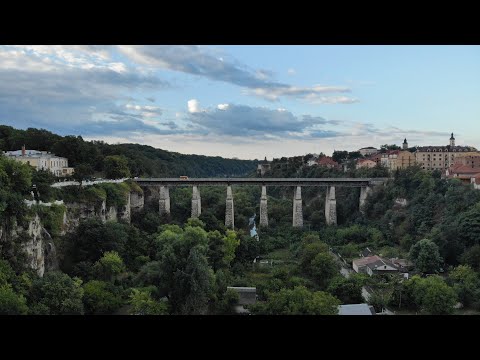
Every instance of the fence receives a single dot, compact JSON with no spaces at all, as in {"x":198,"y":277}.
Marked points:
{"x":87,"y":183}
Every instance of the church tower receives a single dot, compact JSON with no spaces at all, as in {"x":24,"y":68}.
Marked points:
{"x":452,"y":140}
{"x":405,"y":144}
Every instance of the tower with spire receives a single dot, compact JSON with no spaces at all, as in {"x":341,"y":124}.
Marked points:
{"x":452,"y":140}
{"x":405,"y":144}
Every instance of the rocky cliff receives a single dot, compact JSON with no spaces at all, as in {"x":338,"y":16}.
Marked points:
{"x":37,"y":242}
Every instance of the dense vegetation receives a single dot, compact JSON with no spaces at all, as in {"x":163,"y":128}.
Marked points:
{"x":121,"y":160}
{"x":177,"y":265}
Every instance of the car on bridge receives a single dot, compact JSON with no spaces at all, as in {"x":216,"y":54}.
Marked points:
{"x":183,"y":177}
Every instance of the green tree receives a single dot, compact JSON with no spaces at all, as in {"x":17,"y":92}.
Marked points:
{"x":110,"y":265}
{"x":43,"y":179}
{"x":82,"y":172}
{"x":216,"y":253}
{"x":56,"y":294}
{"x":308,"y":253}
{"x":116,"y":167}
{"x":297,"y":301}
{"x":231,"y":242}
{"x":466,"y":283}
{"x":12,"y":303}
{"x":92,"y":239}
{"x":348,"y":290}
{"x":323,"y":268}
{"x":471,"y":257}
{"x":100,"y":298}
{"x":227,"y":303}
{"x":435,"y":296}
{"x":425,"y":255}
{"x":194,"y":285}
{"x":143,"y":304}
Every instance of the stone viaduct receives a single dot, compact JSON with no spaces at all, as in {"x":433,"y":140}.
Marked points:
{"x":163,"y":184}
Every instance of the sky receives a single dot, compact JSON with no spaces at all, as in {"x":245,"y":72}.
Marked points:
{"x":245,"y":101}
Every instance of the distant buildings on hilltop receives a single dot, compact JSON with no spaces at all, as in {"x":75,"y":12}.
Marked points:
{"x":452,"y":160}
{"x":42,"y":160}
{"x":263,"y":166}
{"x":441,"y":157}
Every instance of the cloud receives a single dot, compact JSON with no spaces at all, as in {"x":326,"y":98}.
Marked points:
{"x":200,"y":61}
{"x":193,"y":106}
{"x":291,"y":72}
{"x":48,"y":88}
{"x":311,"y":94}
{"x":145,"y":110}
{"x":259,"y":122}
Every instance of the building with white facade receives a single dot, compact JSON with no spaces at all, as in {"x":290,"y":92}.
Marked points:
{"x":370,"y":150}
{"x":42,"y":160}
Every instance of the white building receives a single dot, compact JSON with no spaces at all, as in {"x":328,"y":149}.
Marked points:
{"x":368,"y":151}
{"x":42,"y":160}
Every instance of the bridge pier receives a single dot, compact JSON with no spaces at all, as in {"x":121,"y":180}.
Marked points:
{"x":196,"y":203}
{"x":263,"y":208}
{"x":164,"y":202}
{"x":297,"y":208}
{"x":229,"y":214}
{"x":364,"y":191}
{"x":330,"y":206}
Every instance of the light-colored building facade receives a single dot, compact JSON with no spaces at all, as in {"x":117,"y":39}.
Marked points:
{"x":365,"y":163}
{"x":440,"y":157}
{"x":42,"y":160}
{"x":405,"y":159}
{"x":389,"y":159}
{"x":368,"y":151}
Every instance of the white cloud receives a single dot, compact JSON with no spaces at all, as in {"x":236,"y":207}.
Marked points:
{"x":193,"y":106}
{"x":222,"y":106}
{"x":316,"y":99}
{"x":308,"y":93}
{"x":146,"y":111}
{"x":291,"y":72}
{"x":199,"y":61}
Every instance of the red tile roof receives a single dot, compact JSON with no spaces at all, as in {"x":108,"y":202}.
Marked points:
{"x":464,"y":169}
{"x":327,"y":160}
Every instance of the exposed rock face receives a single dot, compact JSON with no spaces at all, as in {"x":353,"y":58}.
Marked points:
{"x":76,"y":212}
{"x":40,"y":248}
{"x":111,"y":214}
{"x":41,"y":251}
{"x":137,"y":201}
{"x":124,"y":213}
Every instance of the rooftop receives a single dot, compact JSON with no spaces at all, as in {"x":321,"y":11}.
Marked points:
{"x":355,"y":309}
{"x":464,"y":169}
{"x":367,"y":260}
{"x":445,"y":148}
{"x":30,"y":154}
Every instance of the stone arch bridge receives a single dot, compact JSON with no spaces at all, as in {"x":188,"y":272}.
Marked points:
{"x":163,"y":184}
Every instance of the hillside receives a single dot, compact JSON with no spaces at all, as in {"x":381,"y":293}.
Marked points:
{"x":143,"y":160}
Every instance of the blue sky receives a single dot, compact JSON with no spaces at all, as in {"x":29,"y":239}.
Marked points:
{"x":246,"y":101}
